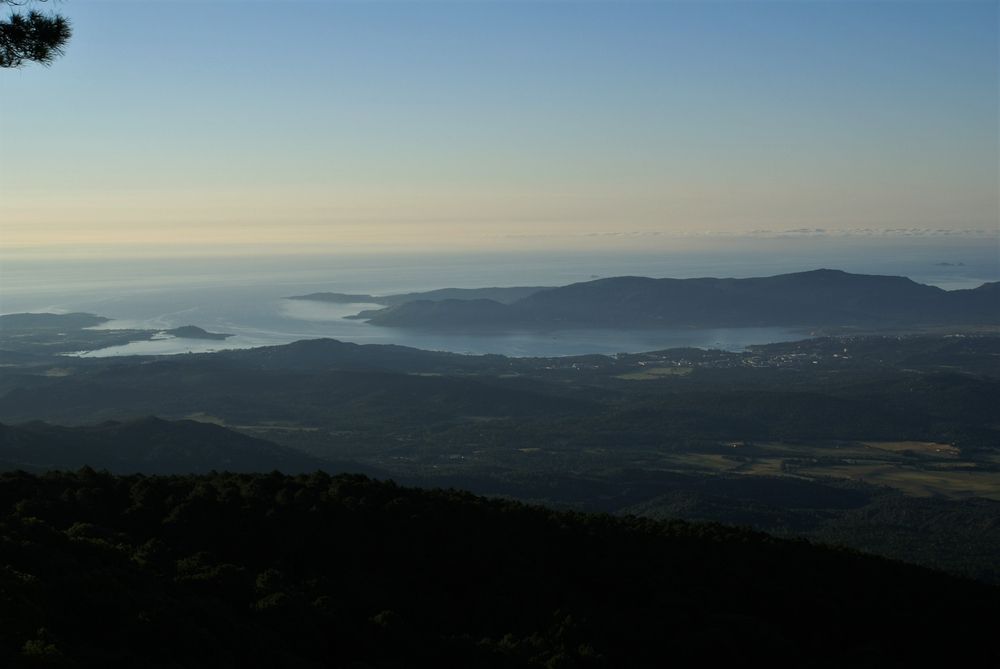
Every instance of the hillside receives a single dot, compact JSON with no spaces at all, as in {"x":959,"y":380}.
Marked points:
{"x":148,"y":445}
{"x":269,"y":570}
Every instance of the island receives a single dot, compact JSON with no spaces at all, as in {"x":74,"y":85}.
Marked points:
{"x":504,"y":295}
{"x":195,"y":332}
{"x":38,"y":335}
{"x":822,"y":298}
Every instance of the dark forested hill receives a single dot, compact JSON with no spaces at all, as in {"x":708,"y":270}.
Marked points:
{"x":148,"y":445}
{"x":331,"y":354}
{"x":30,"y":322}
{"x":268,"y":570}
{"x":817,"y":298}
{"x":244,"y":395}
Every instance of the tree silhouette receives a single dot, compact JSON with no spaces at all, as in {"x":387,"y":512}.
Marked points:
{"x":31,"y":36}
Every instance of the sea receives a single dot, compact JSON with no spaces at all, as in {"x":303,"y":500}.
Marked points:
{"x":246,"y":295}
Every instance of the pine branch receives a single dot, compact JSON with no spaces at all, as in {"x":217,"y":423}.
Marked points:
{"x":32,"y":37}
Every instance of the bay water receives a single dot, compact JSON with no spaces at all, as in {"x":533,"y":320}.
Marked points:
{"x":246,"y":296}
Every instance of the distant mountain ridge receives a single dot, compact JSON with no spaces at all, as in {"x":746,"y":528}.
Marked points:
{"x":823,"y":297}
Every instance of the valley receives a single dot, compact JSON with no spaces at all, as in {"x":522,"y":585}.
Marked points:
{"x":846,"y":426}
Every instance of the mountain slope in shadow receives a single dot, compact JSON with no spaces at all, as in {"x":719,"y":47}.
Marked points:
{"x":148,"y":445}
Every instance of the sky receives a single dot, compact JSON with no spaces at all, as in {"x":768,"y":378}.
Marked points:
{"x":297,"y":126}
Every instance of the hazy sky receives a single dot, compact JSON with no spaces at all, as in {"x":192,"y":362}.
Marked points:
{"x":499,"y":124}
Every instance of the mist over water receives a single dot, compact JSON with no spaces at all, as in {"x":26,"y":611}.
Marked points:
{"x":244,"y":296}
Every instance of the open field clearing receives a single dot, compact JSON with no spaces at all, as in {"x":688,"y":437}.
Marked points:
{"x":812,"y":450}
{"x":261,"y":428}
{"x":941,"y":474}
{"x":920,"y":483}
{"x":923,"y":447}
{"x":202,"y":417}
{"x":650,"y":373}
{"x":709,"y":462}
{"x":765,"y":467}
